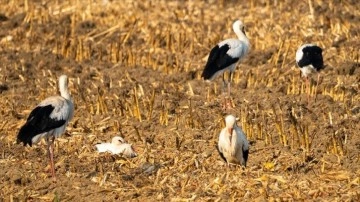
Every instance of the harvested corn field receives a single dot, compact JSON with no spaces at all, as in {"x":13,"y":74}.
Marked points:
{"x":134,"y":70}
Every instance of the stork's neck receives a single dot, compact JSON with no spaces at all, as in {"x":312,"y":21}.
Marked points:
{"x":241,"y":36}
{"x":64,"y":92}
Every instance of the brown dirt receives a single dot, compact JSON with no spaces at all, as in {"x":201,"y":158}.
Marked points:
{"x":153,"y":52}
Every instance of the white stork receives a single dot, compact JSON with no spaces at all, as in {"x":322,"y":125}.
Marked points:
{"x":309,"y":59}
{"x":49,"y":120}
{"x":117,"y":146}
{"x":233,"y":146}
{"x":225,"y":55}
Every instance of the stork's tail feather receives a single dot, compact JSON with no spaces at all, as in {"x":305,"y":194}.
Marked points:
{"x":206,"y":74}
{"x":26,"y":133}
{"x":209,"y":70}
{"x":246,"y":156}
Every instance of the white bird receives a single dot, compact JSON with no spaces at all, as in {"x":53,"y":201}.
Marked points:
{"x":233,"y":146}
{"x":309,"y":59}
{"x":117,"y":146}
{"x":49,"y":120}
{"x":225,"y":55}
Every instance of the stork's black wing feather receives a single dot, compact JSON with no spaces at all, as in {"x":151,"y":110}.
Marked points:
{"x":217,"y":61}
{"x":245,"y":156}
{"x":38,"y":122}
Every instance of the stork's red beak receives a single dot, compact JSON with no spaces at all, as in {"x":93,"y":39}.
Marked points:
{"x":230,"y":130}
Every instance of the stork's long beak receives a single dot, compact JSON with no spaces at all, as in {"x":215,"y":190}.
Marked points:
{"x":230,"y":130}
{"x":243,"y":31}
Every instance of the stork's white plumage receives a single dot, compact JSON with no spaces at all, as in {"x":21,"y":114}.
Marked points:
{"x":49,"y":120}
{"x":226,"y":54}
{"x":309,"y":59}
{"x":117,"y":146}
{"x":233,"y":146}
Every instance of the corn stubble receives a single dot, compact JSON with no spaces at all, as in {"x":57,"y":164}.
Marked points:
{"x":134,"y":71}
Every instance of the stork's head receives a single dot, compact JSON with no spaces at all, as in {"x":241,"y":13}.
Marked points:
{"x":239,"y":25}
{"x":230,"y":122}
{"x":117,"y":140}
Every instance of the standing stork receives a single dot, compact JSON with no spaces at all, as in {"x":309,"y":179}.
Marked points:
{"x":226,"y":54}
{"x":309,"y":59}
{"x":233,"y":146}
{"x":49,"y":120}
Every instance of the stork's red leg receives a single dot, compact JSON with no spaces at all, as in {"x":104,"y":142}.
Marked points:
{"x":308,"y":89}
{"x":228,"y":86}
{"x":228,"y":104}
{"x":51,"y":155}
{"x":317,"y":84}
